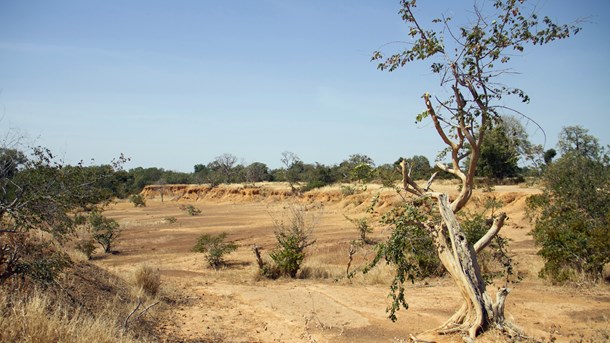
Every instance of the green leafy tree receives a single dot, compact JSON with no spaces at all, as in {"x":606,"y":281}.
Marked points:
{"x":356,"y":167}
{"x":572,"y":216}
{"x":257,"y":172}
{"x":499,"y":156}
{"x":215,"y":248}
{"x":469,"y":60}
{"x":549,"y":155}
{"x":577,"y":139}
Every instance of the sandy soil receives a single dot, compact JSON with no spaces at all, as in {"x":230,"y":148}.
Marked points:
{"x":234,"y":305}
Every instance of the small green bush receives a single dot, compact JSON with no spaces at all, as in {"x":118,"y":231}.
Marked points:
{"x":214,"y":247}
{"x":292,"y":240}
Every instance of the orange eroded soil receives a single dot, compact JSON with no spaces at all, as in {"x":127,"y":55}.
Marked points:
{"x":234,"y":305}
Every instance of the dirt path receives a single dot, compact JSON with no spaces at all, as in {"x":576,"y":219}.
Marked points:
{"x":234,"y":305}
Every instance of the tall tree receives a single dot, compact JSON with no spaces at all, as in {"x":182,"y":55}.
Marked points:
{"x":577,"y":139}
{"x":469,"y":63}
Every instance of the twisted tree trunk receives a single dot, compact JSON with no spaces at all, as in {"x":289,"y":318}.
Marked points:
{"x":479,"y":311}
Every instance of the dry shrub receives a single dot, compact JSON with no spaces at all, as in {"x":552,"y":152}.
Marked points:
{"x":318,"y":271}
{"x":35,"y":319}
{"x":147,"y":279}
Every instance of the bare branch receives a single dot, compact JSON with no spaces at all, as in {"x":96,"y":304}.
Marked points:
{"x":491,"y":233}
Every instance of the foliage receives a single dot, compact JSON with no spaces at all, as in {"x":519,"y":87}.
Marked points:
{"x":190,"y":209}
{"x":138,"y":200}
{"x":577,"y":139}
{"x":104,"y":230}
{"x":317,"y":176}
{"x":214,"y":247}
{"x":499,"y":155}
{"x":409,"y":247}
{"x":86,"y":246}
{"x":549,"y":155}
{"x":388,"y":175}
{"x":356,"y":167}
{"x":257,"y":172}
{"x":293,"y":237}
{"x":40,"y":194}
{"x":572,"y":216}
{"x":25,"y":254}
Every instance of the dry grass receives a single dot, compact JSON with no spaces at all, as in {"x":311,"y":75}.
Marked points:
{"x":35,"y":319}
{"x":147,"y":280}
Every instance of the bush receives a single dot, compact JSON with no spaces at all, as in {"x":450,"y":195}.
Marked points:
{"x":105,"y":231}
{"x":572,"y":218}
{"x":214,"y":247}
{"x":170,"y":220}
{"x":137,"y":200}
{"x":86,"y":246}
{"x":147,"y":279}
{"x":190,"y":209}
{"x":292,"y":240}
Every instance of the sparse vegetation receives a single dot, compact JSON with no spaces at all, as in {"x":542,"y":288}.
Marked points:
{"x":363,"y":227}
{"x":191,"y":210}
{"x":170,"y":219}
{"x":215,"y":248}
{"x":137,"y":200}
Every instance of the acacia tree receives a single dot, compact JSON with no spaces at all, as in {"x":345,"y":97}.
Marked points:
{"x":470,"y":61}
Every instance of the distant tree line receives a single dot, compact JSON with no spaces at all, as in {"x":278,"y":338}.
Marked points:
{"x":505,"y":148}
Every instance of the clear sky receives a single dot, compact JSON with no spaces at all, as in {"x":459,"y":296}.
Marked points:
{"x":175,"y":83}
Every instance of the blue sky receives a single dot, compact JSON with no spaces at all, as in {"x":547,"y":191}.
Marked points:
{"x":175,"y":83}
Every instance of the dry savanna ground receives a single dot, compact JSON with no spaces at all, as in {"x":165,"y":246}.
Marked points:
{"x":234,"y":305}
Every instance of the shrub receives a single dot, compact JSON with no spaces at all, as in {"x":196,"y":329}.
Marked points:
{"x":147,"y":279}
{"x":86,"y":246}
{"x":214,"y":247}
{"x":137,"y":200}
{"x":105,"y":231}
{"x":191,"y":210}
{"x":292,"y":240}
{"x":170,"y":220}
{"x":572,"y":217}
